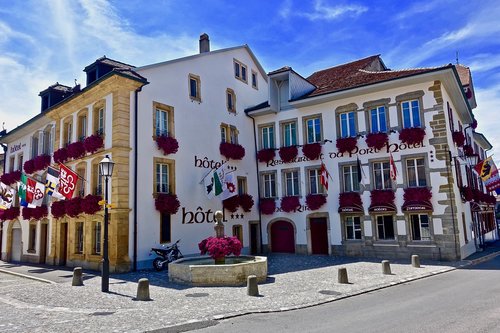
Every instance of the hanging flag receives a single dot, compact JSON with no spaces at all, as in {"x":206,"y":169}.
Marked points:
{"x":208,"y":185}
{"x":32,"y":196}
{"x":51,"y":180}
{"x":230,"y":186}
{"x":38,"y":194}
{"x":7,"y":195}
{"x":486,"y":168}
{"x":361,"y":173}
{"x":394,"y":170}
{"x":324,"y":176}
{"x":493,"y":183}
{"x":219,"y":177}
{"x":21,"y":190}
{"x":67,"y":181}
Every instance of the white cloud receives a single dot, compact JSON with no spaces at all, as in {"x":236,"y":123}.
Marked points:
{"x":286,"y":9}
{"x":486,"y":113}
{"x":420,"y":8}
{"x":484,"y":62}
{"x":329,"y":13}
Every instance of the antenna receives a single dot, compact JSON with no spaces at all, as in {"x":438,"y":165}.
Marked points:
{"x":457,"y":57}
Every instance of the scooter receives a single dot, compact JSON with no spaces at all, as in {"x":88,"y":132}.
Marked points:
{"x":165,"y":255}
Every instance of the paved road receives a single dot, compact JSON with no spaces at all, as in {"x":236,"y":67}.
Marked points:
{"x":465,"y":300}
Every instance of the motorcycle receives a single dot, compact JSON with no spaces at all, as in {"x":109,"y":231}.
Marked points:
{"x":165,"y":255}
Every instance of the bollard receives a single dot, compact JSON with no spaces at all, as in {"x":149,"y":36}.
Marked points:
{"x":386,"y":267}
{"x":143,"y":290}
{"x":77,"y":277}
{"x":415,"y":261}
{"x":342,"y":275}
{"x":252,"y":286}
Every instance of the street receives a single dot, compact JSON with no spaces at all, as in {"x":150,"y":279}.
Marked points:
{"x":465,"y":300}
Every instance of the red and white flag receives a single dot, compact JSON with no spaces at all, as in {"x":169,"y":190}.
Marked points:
{"x":67,"y":181}
{"x":394,"y":170}
{"x":324,"y":176}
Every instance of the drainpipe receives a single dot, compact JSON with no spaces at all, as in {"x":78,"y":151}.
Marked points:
{"x":136,"y":147}
{"x":1,"y":223}
{"x":258,"y":182}
{"x":452,"y":197}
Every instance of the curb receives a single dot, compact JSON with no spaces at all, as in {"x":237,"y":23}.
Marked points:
{"x":26,"y":276}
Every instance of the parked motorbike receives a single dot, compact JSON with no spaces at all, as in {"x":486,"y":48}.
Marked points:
{"x":165,"y":254}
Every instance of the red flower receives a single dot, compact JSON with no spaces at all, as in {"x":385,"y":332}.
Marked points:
{"x":29,"y":166}
{"x":11,"y":177}
{"x":467,"y":193}
{"x":90,"y":204}
{"x":267,"y":206}
{"x":93,"y":143}
{"x":312,"y":150}
{"x":417,"y":194}
{"x":167,"y":203}
{"x":168,"y":144}
{"x":76,"y":150}
{"x":246,"y":202}
{"x":412,"y":135}
{"x":42,"y":162}
{"x":474,"y":124}
{"x":346,"y":145}
{"x":458,"y":138}
{"x":10,"y":214}
{"x":231,"y":204}
{"x":350,"y":199}
{"x":266,"y":155}
{"x":315,"y":201}
{"x":382,"y":197}
{"x":219,"y":248}
{"x":377,"y":140}
{"x":232,"y":150}
{"x":468,"y":151}
{"x":287,"y":154}
{"x":36,"y":213}
{"x":289,"y":204}
{"x":73,"y":207}
{"x":58,"y":209}
{"x":61,"y":155}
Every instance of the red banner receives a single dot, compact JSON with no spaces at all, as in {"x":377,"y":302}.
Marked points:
{"x":67,"y":181}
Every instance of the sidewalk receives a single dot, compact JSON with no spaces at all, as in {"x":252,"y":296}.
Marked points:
{"x":294,"y":282}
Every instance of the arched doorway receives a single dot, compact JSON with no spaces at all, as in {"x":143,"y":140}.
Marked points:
{"x":282,"y":237}
{"x":319,"y":235}
{"x":16,"y":245}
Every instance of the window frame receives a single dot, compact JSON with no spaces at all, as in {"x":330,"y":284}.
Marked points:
{"x":340,"y":132}
{"x":97,"y":238}
{"x":416,"y":172}
{"x":255,"y":79}
{"x":273,"y":186}
{"x":377,"y":227}
{"x":79,"y":237}
{"x":271,"y":137}
{"x":385,"y":172}
{"x":197,"y":80}
{"x":414,"y":95}
{"x":229,"y":133}
{"x":156,"y":106}
{"x":237,"y":231}
{"x":412,"y":235}
{"x":295,"y":188}
{"x":320,"y":189}
{"x":242,"y":185}
{"x":82,"y":125}
{"x":230,"y":100}
{"x":305,"y":124}
{"x":163,"y":224}
{"x":170,"y":163}
{"x":385,"y":122}
{"x":293,"y":140}
{"x":97,"y":110}
{"x":32,"y":231}
{"x":352,"y":225}
{"x":238,"y":64}
{"x":352,"y":175}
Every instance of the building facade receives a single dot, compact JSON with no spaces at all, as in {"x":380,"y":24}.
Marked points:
{"x":169,"y":125}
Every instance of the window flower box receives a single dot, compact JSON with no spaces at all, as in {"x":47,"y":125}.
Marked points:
{"x":58,"y":209}
{"x":458,"y":138}
{"x":232,"y":150}
{"x":377,"y":140}
{"x":76,"y":150}
{"x":315,"y":201}
{"x":350,"y":199}
{"x":73,"y":207}
{"x":41,"y":162}
{"x":287,"y":154}
{"x":61,"y":155}
{"x":346,"y":145}
{"x":10,"y":214}
{"x":267,"y":205}
{"x":231,"y":204}
{"x":11,"y":177}
{"x":90,"y":204}
{"x":266,"y":155}
{"x":36,"y":213}
{"x":167,"y":144}
{"x":417,"y":194}
{"x":467,"y":193}
{"x":468,"y":150}
{"x":312,"y":150}
{"x":167,"y":203}
{"x":29,"y":166}
{"x":412,"y":135}
{"x":382,"y":197}
{"x":246,"y":202}
{"x":290,"y":203}
{"x":93,"y":143}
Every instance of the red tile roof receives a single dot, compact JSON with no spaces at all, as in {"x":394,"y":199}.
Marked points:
{"x":464,"y":74}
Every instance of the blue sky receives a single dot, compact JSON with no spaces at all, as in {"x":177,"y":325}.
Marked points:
{"x":42,"y":42}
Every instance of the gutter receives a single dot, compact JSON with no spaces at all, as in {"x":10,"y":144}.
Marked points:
{"x":258,"y":183}
{"x":1,"y":223}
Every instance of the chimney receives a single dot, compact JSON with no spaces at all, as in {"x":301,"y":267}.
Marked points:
{"x":204,"y":43}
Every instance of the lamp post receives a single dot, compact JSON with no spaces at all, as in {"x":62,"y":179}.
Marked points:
{"x":105,"y":170}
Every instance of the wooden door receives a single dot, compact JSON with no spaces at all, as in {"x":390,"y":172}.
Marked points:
{"x":43,"y":243}
{"x":282,"y":237}
{"x":319,"y":235}
{"x":63,"y":239}
{"x":254,"y":236}
{"x":16,"y":249}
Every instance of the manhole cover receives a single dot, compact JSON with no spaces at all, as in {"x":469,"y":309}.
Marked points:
{"x":103,"y":313}
{"x":329,"y":292}
{"x":197,"y":295}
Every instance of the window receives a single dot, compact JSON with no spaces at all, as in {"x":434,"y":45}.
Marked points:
{"x":194,"y":87}
{"x":80,"y":185}
{"x":464,"y":228}
{"x":229,"y":133}
{"x":385,"y":227}
{"x":240,"y":71}
{"x":269,"y":185}
{"x":47,"y":142}
{"x":165,"y":228}
{"x":378,"y":119}
{"x":242,"y":185}
{"x":163,"y":120}
{"x":82,"y":127}
{"x":347,"y":124}
{"x":99,"y":121}
{"x":254,"y":80}
{"x":291,"y":183}
{"x":267,"y":137}
{"x":162,"y":178}
{"x":313,"y":130}
{"x":420,"y":230}
{"x":223,"y":134}
{"x":352,"y":227}
{"x":11,"y":164}
{"x":34,"y":145}
{"x":381,"y":173}
{"x":67,"y":132}
{"x":289,"y":130}
{"x":97,"y":179}
{"x":415,"y":169}
{"x":230,"y":100}
{"x":32,"y":238}
{"x":411,"y":113}
{"x":96,"y":238}
{"x":238,"y":232}
{"x":79,"y":237}
{"x":19,"y":162}
{"x":315,"y":186}
{"x":350,"y":174}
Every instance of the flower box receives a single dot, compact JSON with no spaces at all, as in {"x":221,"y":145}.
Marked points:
{"x":246,"y":202}
{"x":61,"y":155}
{"x":36,"y":213}
{"x":266,"y":155}
{"x":10,"y":214}
{"x":267,"y":206}
{"x":41,"y":162}
{"x":417,"y":194}
{"x":167,"y":144}
{"x":167,"y":203}
{"x":382,"y":197}
{"x":412,"y":135}
{"x":467,"y":193}
{"x":58,"y":209}
{"x":90,"y":204}
{"x":76,"y":150}
{"x":231,"y":204}
{"x":315,"y":201}
{"x":232,"y":150}
{"x":11,"y":177}
{"x":312,"y":150}
{"x":29,"y":166}
{"x":350,"y":199}
{"x":290,"y":203}
{"x":346,"y":145}
{"x":377,"y":140}
{"x":93,"y":143}
{"x":468,"y":150}
{"x":287,"y":154}
{"x":458,"y":138}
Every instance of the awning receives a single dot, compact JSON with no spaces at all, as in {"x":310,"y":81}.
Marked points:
{"x":385,"y":208}
{"x":356,"y":209}
{"x":417,"y":206}
{"x":476,"y":207}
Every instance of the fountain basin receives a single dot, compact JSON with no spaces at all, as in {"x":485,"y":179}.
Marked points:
{"x":202,"y":271}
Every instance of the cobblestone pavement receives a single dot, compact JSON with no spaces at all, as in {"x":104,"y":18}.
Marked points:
{"x":294,"y":281}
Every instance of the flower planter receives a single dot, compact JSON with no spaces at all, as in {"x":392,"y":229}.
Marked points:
{"x":315,"y":201}
{"x":458,"y":138}
{"x":377,"y":140}
{"x":412,"y":135}
{"x":467,"y":193}
{"x":41,"y":162}
{"x":11,"y":177}
{"x":346,"y":145}
{"x":76,"y":150}
{"x":90,"y":204}
{"x":312,"y":150}
{"x":93,"y":143}
{"x":167,"y":203}
{"x":290,"y":204}
{"x":36,"y":213}
{"x":232,"y":151}
{"x":382,"y":197}
{"x":73,"y":207}
{"x":61,"y":155}
{"x":417,"y":194}
{"x":468,"y":150}
{"x":350,"y":199}
{"x":231,"y":204}
{"x":58,"y":209}
{"x":287,"y":154}
{"x":10,"y":214}
{"x":246,"y":202}
{"x":167,"y":144}
{"x":267,"y":206}
{"x":29,"y":166}
{"x":266,"y":155}
{"x":219,"y":248}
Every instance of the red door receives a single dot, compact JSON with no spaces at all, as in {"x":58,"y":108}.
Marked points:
{"x":282,"y":237}
{"x":319,"y":235}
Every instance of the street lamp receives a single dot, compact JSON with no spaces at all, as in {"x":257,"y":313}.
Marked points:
{"x":105,"y":170}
